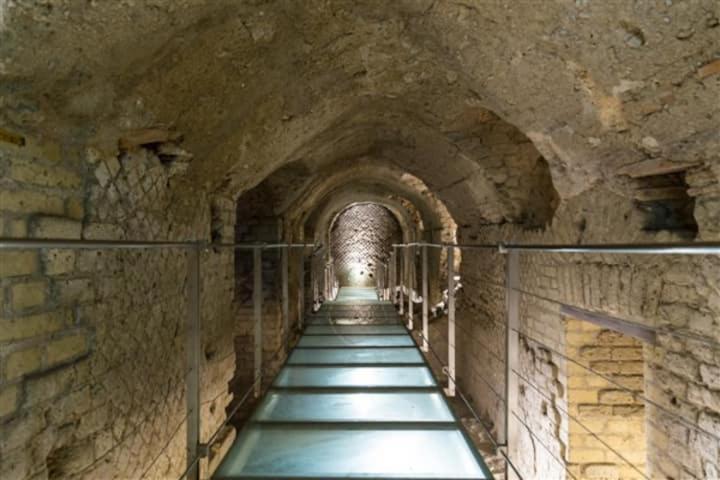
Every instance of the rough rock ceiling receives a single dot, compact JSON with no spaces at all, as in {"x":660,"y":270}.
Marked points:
{"x":254,"y":85}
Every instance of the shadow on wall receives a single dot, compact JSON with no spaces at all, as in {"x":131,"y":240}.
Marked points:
{"x":360,"y":238}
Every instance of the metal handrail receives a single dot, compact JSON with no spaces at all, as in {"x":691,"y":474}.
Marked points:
{"x":15,"y":243}
{"x":264,"y":246}
{"x":688,"y":248}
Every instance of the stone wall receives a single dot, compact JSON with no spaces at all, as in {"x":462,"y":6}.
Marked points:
{"x":678,"y":295}
{"x":361,"y":237}
{"x":93,"y":341}
{"x":255,"y":223}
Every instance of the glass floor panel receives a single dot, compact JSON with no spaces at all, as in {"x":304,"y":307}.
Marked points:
{"x":319,"y":356}
{"x":354,"y":329}
{"x":354,"y":400}
{"x":355,"y":377}
{"x":349,"y":320}
{"x":325,"y":452}
{"x":356,"y":341}
{"x":366,"y":294}
{"x":353,"y":407}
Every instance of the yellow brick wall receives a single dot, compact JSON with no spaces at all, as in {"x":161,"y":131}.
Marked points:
{"x":40,"y":195}
{"x":615,"y":417}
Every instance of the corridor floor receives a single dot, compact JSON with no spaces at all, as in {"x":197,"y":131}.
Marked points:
{"x":354,"y":400}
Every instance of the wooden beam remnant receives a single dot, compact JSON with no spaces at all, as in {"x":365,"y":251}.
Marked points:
{"x":709,"y":69}
{"x":641,"y":332}
{"x":652,"y":167}
{"x":9,"y":137}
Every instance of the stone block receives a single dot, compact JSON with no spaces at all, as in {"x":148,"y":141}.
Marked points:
{"x":684,"y":366}
{"x":584,"y":396}
{"x":19,"y":431}
{"x":32,"y":326}
{"x":56,"y":227}
{"x":704,"y":324}
{"x":18,"y":228}
{"x":74,"y":208}
{"x":46,"y":176}
{"x":596,"y":353}
{"x":15,"y":262}
{"x":621,"y":426}
{"x":601,"y":472}
{"x":629,"y":410}
{"x":28,"y":295}
{"x":75,"y":290}
{"x":22,"y":362}
{"x":71,"y":406}
{"x":710,"y":375}
{"x":631,"y":368}
{"x":28,"y":201}
{"x":66,"y":348}
{"x":94,"y":421}
{"x":9,"y":395}
{"x":632,"y":353}
{"x":59,"y":261}
{"x":586,"y":455}
{"x":102,"y":231}
{"x":704,"y":397}
{"x":606,"y":367}
{"x":40,"y":388}
{"x":594,"y":410}
{"x":710,"y":422}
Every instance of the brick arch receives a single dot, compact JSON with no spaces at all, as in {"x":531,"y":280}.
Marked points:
{"x":361,"y":237}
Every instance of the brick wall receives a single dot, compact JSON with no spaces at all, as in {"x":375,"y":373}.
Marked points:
{"x":362,"y":237}
{"x":92,"y":361}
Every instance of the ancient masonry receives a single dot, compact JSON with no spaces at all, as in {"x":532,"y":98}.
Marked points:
{"x":353,"y":125}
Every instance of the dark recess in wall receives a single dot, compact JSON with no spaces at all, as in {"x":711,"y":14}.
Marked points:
{"x":666,"y":204}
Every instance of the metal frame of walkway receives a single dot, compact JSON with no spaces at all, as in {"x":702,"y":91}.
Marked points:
{"x":356,"y":399}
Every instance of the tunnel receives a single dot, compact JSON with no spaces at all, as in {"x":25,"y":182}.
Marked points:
{"x":360,"y":239}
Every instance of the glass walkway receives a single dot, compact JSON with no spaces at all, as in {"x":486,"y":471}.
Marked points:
{"x":354,"y":400}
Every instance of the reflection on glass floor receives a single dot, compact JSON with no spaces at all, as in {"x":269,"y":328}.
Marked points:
{"x":353,"y":401}
{"x":357,"y":294}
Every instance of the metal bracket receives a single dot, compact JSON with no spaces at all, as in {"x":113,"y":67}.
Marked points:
{"x":203,"y":450}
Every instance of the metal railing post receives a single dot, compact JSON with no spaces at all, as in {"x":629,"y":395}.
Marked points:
{"x":301,"y":289}
{"x":257,"y":318}
{"x":411,"y":280}
{"x":325,"y":281}
{"x":192,"y":380}
{"x":379,"y":281}
{"x":285,"y":294}
{"x":450,"y":390}
{"x":425,"y":305}
{"x":393,"y":278}
{"x":402,"y":281}
{"x":512,"y":307}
